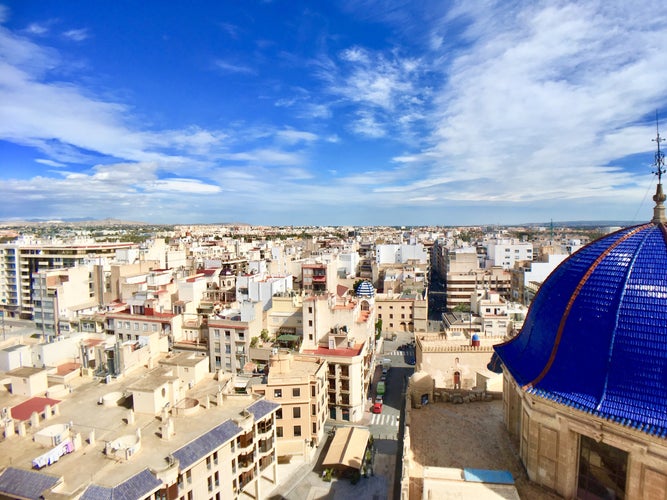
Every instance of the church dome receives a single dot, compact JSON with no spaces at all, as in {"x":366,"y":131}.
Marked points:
{"x":365,"y":289}
{"x":595,"y":337}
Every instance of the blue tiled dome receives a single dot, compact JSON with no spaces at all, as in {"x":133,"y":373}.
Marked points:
{"x":365,"y":289}
{"x":596,"y":334}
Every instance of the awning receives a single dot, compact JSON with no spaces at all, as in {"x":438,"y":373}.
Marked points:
{"x":347,"y":447}
{"x":288,"y":337}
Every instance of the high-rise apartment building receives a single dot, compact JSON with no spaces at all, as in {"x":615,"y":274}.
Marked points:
{"x":21,"y":259}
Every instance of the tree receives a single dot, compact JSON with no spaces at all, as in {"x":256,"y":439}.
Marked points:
{"x":462,"y":308}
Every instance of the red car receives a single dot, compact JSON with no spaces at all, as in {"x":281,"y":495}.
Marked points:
{"x":377,"y":408}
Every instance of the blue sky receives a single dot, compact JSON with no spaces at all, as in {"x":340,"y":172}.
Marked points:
{"x":330,"y":113}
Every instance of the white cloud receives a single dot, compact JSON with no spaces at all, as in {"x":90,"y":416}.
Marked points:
{"x":192,"y":186}
{"x":233,"y":68}
{"x":78,"y":35}
{"x":367,"y":125}
{"x":50,"y":163}
{"x":37,"y":29}
{"x":290,"y":136}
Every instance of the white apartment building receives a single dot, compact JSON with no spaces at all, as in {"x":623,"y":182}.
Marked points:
{"x":400,"y":254}
{"x":324,"y":314}
{"x":498,"y":318}
{"x":505,"y":253}
{"x":261,"y":288}
{"x":229,"y":334}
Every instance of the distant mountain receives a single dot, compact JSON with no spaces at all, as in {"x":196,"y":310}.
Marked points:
{"x":82,"y":222}
{"x":586,"y":223}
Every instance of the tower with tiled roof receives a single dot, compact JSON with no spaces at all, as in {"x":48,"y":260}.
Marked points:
{"x":586,"y":379}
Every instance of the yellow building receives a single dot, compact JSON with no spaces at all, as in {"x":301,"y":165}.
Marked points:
{"x":299,"y":384}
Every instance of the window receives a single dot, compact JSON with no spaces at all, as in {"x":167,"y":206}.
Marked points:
{"x":277,"y":393}
{"x":279,"y":413}
{"x":228,"y":349}
{"x":297,"y":430}
{"x":310,"y":322}
{"x":241,"y":335}
{"x":313,"y":409}
{"x":188,"y":476}
{"x":296,"y":412}
{"x":208,"y":462}
{"x":154,"y":328}
{"x":310,"y":309}
{"x":216,"y":333}
{"x":136,"y":326}
{"x":600,"y":460}
{"x":296,"y":392}
{"x":312,"y":391}
{"x":279,"y":432}
{"x":227,"y":334}
{"x":314,"y":427}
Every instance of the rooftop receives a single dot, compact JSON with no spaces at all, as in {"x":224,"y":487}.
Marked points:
{"x":90,"y":464}
{"x":470,"y":435}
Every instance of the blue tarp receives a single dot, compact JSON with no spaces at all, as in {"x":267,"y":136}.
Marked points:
{"x":488,"y":476}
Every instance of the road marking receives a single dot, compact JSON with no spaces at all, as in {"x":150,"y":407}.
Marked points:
{"x":379,"y":419}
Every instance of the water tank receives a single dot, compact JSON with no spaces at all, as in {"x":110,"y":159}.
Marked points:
{"x":475,"y":340}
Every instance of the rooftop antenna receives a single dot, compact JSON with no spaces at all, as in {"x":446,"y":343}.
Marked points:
{"x":659,"y":164}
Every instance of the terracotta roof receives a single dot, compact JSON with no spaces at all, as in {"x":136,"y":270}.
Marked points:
{"x":24,"y":410}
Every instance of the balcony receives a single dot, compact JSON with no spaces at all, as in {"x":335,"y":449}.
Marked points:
{"x":246,"y":478}
{"x":245,"y":442}
{"x":246,"y":462}
{"x":265,"y":446}
{"x":264,"y":429}
{"x":265,"y":462}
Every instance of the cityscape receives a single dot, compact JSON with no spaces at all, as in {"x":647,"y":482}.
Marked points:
{"x":359,"y":249}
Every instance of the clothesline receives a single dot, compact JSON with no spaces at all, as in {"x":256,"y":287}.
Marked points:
{"x":54,"y":454}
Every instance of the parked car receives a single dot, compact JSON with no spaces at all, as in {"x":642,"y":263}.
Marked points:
{"x":377,"y":408}
{"x":378,"y":399}
{"x":381,"y":388}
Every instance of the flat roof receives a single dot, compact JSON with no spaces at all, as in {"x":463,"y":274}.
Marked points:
{"x":24,"y":371}
{"x":90,"y":464}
